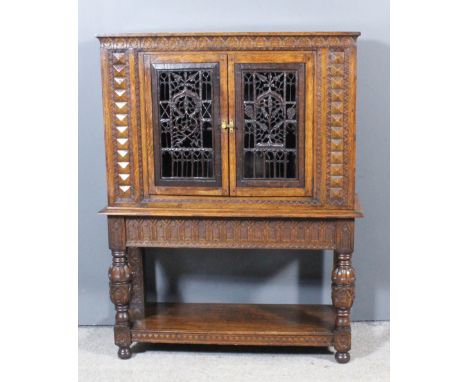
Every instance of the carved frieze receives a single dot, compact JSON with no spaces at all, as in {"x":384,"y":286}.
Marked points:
{"x":230,"y":233}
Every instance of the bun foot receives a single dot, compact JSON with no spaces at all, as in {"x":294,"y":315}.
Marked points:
{"x":342,"y":357}
{"x":124,"y":352}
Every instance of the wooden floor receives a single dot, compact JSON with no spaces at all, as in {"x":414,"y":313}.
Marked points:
{"x":237,"y":324}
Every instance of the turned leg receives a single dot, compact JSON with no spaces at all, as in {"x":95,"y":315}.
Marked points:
{"x":120,"y":285}
{"x":343,"y":278}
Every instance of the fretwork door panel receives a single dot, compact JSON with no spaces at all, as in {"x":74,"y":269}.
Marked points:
{"x":189,"y":151}
{"x":270,"y":147}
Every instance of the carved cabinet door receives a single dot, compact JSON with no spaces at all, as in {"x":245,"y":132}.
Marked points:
{"x":184,"y":100}
{"x":270,"y":108}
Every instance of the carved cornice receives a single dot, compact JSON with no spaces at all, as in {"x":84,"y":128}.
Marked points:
{"x":228,"y":41}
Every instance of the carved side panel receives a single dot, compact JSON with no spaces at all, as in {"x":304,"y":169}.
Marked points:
{"x":119,"y":85}
{"x":337,"y":127}
{"x":230,"y":233}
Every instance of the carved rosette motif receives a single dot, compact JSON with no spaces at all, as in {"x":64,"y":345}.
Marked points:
{"x":194,"y":43}
{"x":337,"y":127}
{"x":121,"y":125}
{"x":230,"y":233}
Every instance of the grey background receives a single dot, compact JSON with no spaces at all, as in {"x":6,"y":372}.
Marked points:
{"x":231,"y":275}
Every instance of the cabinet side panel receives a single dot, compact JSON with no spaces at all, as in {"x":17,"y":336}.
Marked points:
{"x":340,"y":128}
{"x":119,"y":125}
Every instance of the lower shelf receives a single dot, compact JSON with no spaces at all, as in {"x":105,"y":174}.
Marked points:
{"x":236,"y":324}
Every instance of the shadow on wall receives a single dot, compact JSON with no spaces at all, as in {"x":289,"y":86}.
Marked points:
{"x":233,"y":276}
{"x":372,"y":241}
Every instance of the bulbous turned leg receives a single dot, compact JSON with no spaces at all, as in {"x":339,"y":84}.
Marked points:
{"x":120,"y":286}
{"x":342,"y":297}
{"x":120,"y":289}
{"x":343,"y":278}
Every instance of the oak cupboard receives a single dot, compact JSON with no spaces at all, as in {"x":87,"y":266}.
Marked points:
{"x":230,"y":140}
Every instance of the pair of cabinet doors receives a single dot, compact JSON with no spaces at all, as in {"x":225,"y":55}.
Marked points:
{"x":227,"y":123}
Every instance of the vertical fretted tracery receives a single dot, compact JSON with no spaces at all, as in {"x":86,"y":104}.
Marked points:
{"x":270,"y":124}
{"x":186,"y":124}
